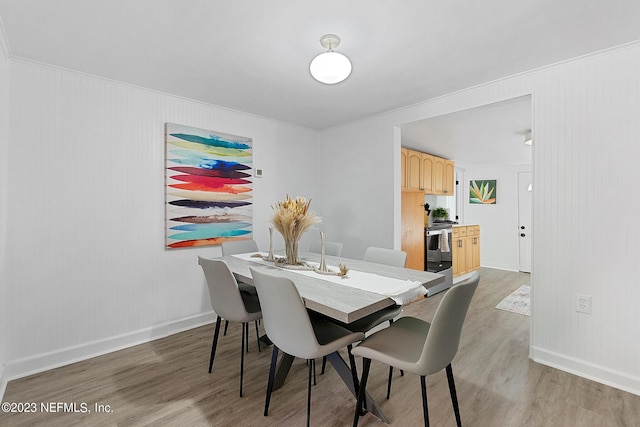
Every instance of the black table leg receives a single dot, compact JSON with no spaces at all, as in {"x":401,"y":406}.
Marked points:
{"x":282,"y":370}
{"x":342,"y":368}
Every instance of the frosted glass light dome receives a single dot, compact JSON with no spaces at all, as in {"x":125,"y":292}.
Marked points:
{"x":330,"y":67}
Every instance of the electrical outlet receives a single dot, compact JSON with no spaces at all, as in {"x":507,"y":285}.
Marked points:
{"x":583,"y":304}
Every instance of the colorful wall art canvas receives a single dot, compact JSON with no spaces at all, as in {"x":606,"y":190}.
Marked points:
{"x":208,"y":187}
{"x":482,"y":192}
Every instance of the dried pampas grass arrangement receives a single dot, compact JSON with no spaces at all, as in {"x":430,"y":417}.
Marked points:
{"x":292,"y":218}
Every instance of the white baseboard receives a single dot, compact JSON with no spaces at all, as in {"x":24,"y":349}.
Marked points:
{"x":593,"y":372}
{"x":504,"y":267}
{"x":43,"y":362}
{"x":3,"y":382}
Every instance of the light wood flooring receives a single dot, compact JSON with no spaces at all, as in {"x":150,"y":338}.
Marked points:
{"x":165,"y":382}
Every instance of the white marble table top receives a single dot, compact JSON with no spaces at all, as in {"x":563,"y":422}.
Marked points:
{"x":340,"y":302}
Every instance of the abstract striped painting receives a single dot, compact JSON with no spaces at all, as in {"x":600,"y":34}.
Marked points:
{"x":208,"y":187}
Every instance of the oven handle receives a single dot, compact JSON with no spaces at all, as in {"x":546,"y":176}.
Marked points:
{"x":437,"y":232}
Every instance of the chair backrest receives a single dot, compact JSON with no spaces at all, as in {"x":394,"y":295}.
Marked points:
{"x":223,"y":290}
{"x":385,"y":256}
{"x":284,"y":315}
{"x":239,"y":247}
{"x":330,"y":248}
{"x":443,"y":338}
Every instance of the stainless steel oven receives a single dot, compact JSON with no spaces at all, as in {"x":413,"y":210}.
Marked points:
{"x":437,"y":250}
{"x":438,"y":247}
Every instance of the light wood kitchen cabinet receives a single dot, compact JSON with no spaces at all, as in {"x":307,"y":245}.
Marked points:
{"x":458,"y":256}
{"x":425,"y":172}
{"x":413,"y":228}
{"x":475,"y":245}
{"x":443,"y":172}
{"x":466,"y":249}
{"x":414,"y":170}
{"x":438,"y":176}
{"x":449,"y":173}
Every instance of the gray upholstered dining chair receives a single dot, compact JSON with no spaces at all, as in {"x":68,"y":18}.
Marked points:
{"x":233,"y":247}
{"x":330,"y":248}
{"x":378,"y":256}
{"x":420,"y":347}
{"x":292,"y":330}
{"x":385,"y":256}
{"x":231,"y":304}
{"x":388,"y":257}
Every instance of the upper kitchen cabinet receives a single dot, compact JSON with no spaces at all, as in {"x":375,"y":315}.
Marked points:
{"x":414,"y":170}
{"x":449,"y":177}
{"x":425,"y":172}
{"x":442,"y":177}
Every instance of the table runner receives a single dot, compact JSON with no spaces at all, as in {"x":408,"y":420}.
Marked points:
{"x":401,"y":291}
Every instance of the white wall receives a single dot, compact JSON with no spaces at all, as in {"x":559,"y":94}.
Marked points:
{"x":358,"y":194}
{"x":499,"y":233}
{"x":87,"y":271}
{"x":586,"y":118}
{"x":4,"y":191}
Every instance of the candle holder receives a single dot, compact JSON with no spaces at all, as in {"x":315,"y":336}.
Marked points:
{"x":270,"y":257}
{"x":323,"y":265}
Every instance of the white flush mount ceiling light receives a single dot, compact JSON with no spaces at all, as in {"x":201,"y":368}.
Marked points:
{"x":330,"y":67}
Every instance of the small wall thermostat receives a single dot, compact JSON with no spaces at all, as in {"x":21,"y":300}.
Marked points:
{"x":257,"y":173}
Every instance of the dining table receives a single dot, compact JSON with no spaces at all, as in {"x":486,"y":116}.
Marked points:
{"x":367,"y":288}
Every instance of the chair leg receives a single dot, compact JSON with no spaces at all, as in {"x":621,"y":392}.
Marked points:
{"x":246,"y":337}
{"x":257,"y":336}
{"x":324,"y":363}
{"x":226,"y":326}
{"x":245,"y":327}
{"x":454,"y":395}
{"x":272,"y":374}
{"x":425,"y":408}
{"x":215,"y":343}
{"x":314,"y":371}
{"x":401,"y":371}
{"x":312,"y":366}
{"x":366,"y":363}
{"x":389,"y":382}
{"x":354,"y":370}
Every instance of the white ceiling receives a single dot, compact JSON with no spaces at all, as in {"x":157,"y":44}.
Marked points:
{"x":253,"y":55}
{"x":490,"y":135}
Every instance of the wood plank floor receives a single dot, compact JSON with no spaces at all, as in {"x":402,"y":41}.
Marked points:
{"x":165,"y":382}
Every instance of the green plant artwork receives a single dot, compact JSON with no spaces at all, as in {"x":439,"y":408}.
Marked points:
{"x":482,"y":192}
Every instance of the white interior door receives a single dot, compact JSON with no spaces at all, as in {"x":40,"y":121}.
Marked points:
{"x":524,"y":219}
